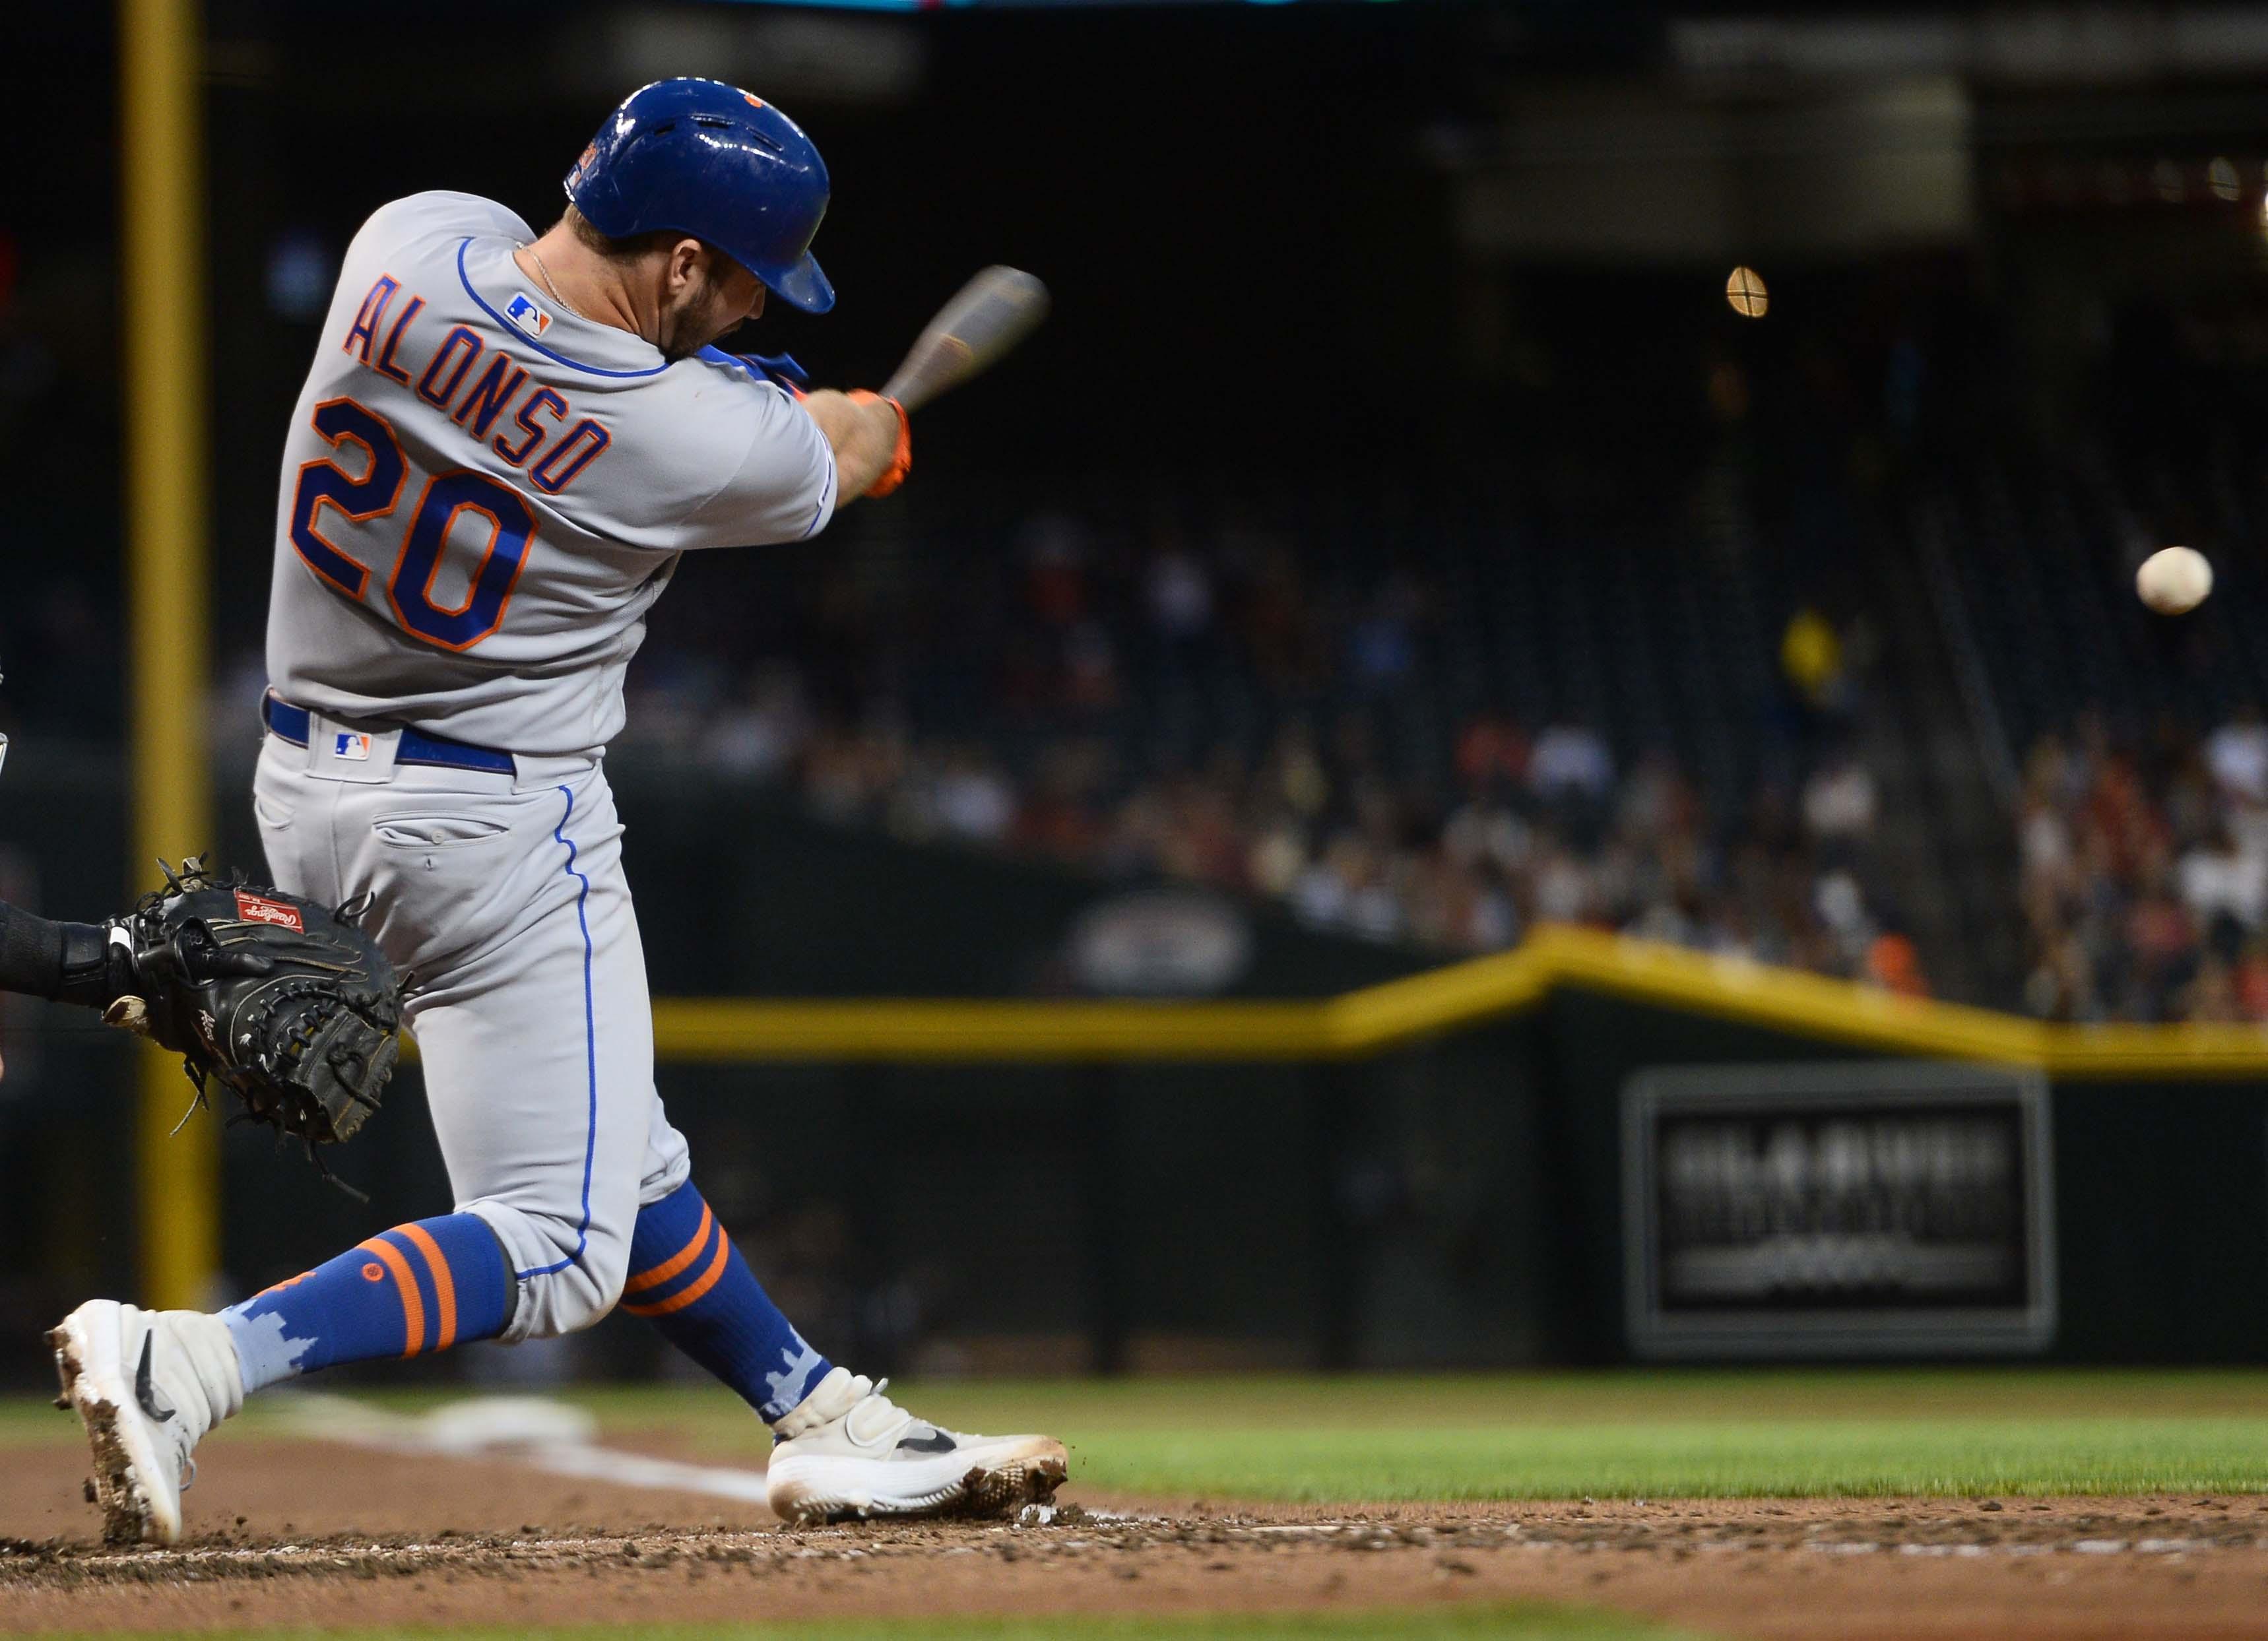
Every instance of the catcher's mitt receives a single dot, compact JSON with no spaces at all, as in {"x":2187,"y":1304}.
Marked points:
{"x":286,"y":1002}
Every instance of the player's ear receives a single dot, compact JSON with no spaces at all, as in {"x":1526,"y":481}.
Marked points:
{"x":683,"y":266}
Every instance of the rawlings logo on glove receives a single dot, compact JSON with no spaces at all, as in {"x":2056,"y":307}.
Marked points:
{"x":259,"y":908}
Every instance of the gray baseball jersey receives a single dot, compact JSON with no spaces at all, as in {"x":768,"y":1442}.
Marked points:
{"x":482,"y":493}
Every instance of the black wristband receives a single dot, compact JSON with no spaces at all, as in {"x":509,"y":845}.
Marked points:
{"x":95,"y":973}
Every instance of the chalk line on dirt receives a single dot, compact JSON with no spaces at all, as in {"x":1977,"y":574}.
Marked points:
{"x":533,"y":1432}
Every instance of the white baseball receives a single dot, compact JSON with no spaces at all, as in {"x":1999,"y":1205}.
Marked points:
{"x":2173,"y":579}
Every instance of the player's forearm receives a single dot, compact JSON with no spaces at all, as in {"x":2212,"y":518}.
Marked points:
{"x":69,"y":963}
{"x":864,"y":435}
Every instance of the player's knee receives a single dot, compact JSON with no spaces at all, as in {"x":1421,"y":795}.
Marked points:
{"x":591,"y":1283}
{"x":567,"y":1301}
{"x":570,"y":1271}
{"x":608,"y":1268}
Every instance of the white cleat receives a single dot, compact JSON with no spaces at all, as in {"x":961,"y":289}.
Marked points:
{"x":850,"y":1453}
{"x":147,"y":1384}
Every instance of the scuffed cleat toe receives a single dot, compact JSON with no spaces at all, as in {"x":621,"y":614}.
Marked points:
{"x":853,"y":1454}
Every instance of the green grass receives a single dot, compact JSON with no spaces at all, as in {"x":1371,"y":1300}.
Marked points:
{"x":1643,"y":1434}
{"x":1489,"y":1623}
{"x":1650,"y":1459}
{"x":1637,"y":1434}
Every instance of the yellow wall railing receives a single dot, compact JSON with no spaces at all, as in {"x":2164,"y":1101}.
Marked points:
{"x":1399,"y":1011}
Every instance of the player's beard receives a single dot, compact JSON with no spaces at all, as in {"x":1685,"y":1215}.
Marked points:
{"x":698,"y":321}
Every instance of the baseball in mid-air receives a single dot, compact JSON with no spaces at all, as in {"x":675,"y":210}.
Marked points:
{"x":2173,"y":580}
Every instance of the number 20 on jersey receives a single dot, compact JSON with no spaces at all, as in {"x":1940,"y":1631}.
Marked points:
{"x":446,"y":498}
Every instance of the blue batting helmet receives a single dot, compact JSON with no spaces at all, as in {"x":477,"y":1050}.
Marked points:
{"x":708,"y":159}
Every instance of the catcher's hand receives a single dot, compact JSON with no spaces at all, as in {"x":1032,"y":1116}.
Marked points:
{"x":286,"y":1002}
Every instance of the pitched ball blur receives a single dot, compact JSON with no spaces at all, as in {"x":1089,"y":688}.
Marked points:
{"x":2173,"y":579}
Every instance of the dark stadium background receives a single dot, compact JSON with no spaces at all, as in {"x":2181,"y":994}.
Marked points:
{"x":1337,"y":484}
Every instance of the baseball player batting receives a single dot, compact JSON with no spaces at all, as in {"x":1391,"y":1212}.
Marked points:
{"x":505,"y":443}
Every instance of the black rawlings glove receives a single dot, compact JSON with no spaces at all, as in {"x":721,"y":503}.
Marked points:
{"x":286,"y":1002}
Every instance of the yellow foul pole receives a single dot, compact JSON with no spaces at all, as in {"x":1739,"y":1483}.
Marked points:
{"x":161,"y":197}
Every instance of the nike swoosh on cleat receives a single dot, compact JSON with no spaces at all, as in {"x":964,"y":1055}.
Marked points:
{"x":937,"y":1441}
{"x":142,"y":1393}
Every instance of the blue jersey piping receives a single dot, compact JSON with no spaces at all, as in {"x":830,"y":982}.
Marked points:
{"x":590,"y":1045}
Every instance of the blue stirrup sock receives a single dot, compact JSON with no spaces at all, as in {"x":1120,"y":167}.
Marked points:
{"x":688,"y":1280}
{"x":415,"y":1289}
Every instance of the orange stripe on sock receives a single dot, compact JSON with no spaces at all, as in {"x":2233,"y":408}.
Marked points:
{"x":412,"y":1308}
{"x":676,"y":1261}
{"x":680,"y":1300}
{"x":445,"y":1287}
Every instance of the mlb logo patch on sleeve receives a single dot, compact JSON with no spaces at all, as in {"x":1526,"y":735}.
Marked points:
{"x":525,"y":312}
{"x":352,"y":746}
{"x":260,"y":908}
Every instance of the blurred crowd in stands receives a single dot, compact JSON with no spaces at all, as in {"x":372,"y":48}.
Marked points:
{"x":1216,"y":716}
{"x":2144,"y":864}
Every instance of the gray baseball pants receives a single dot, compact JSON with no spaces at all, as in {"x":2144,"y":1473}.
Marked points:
{"x":502,"y":897}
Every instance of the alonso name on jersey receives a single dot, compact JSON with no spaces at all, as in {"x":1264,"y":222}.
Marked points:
{"x":476,"y":408}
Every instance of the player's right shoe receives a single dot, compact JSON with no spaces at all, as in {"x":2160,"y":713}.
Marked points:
{"x":147,"y":1384}
{"x":850,"y":1453}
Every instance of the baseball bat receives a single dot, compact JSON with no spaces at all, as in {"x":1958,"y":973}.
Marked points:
{"x":991,"y":314}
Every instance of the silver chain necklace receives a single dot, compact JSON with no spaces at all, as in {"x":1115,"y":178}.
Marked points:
{"x":551,"y":285}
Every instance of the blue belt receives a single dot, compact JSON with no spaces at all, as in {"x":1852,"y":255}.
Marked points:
{"x":289,"y":723}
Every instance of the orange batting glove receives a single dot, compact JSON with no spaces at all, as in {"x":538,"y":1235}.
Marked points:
{"x":901,"y":460}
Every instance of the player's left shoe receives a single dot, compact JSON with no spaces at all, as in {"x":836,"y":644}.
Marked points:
{"x":147,"y":1384}
{"x":850,"y":1453}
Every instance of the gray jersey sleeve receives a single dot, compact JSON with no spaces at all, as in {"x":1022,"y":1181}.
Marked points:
{"x":783,"y":487}
{"x":437,"y":216}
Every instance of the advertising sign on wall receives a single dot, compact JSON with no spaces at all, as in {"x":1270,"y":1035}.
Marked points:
{"x":1846,"y":1209}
